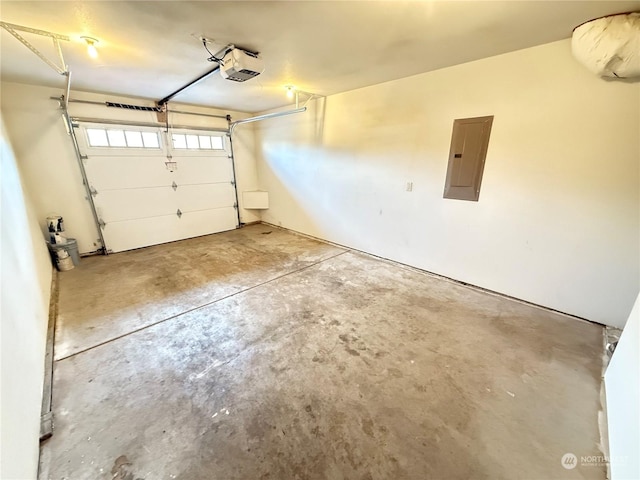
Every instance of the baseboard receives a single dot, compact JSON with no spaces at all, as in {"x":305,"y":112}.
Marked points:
{"x":46,"y":415}
{"x":46,"y":426}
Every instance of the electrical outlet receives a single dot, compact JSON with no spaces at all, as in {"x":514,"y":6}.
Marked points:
{"x":409,"y":186}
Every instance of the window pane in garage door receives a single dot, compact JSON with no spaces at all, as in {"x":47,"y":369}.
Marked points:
{"x":134,"y":139}
{"x":179,"y":141}
{"x":192,"y":141}
{"x":97,"y":137}
{"x":205,"y":142}
{"x":217,"y":143}
{"x":150,"y":140}
{"x":116,"y":138}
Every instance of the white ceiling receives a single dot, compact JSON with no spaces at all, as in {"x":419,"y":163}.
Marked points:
{"x":149,"y":49}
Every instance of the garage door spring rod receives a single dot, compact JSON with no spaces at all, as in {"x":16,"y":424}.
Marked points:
{"x":141,"y":108}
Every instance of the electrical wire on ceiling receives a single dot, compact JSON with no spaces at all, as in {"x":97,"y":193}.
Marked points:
{"x":212,"y":58}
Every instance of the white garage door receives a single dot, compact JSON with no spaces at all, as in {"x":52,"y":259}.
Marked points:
{"x":152,"y":187}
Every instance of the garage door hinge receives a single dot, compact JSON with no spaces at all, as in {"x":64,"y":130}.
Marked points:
{"x":174,"y":185}
{"x":179,"y":213}
{"x":102,"y":223}
{"x":233,"y":183}
{"x":235,"y":205}
{"x":84,"y":157}
{"x":93,"y":191}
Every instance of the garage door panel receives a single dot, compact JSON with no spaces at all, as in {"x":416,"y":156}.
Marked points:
{"x":127,"y":172}
{"x":129,"y":204}
{"x":203,"y":222}
{"x":202,"y":197}
{"x":117,"y":205}
{"x":130,"y":234}
{"x":193,"y":170}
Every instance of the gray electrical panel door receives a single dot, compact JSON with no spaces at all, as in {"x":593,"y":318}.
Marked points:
{"x":469,"y":144}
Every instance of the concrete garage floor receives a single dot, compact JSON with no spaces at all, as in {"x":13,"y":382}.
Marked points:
{"x":260,"y":354}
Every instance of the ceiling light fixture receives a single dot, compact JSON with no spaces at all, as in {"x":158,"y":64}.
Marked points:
{"x":91,"y":46}
{"x":290,"y":90}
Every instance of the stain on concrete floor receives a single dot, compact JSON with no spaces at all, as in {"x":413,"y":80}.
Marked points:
{"x":340,"y":367}
{"x":114,"y":295}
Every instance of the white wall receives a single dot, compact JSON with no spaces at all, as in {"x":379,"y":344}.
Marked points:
{"x":558,"y":221}
{"x":47,"y":159}
{"x":623,"y":401}
{"x":25,"y":290}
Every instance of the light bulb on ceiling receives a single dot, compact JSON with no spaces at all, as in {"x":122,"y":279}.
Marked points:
{"x":92,"y":51}
{"x":290,"y":90}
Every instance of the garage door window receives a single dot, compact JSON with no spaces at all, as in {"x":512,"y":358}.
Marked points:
{"x":197,"y":142}
{"x":116,"y":138}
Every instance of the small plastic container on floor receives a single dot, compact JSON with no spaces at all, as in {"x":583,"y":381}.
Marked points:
{"x":63,"y":261}
{"x":70,"y":246}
